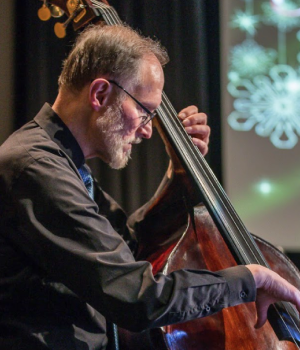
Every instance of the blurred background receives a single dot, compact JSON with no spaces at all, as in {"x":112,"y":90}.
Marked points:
{"x":237,"y":60}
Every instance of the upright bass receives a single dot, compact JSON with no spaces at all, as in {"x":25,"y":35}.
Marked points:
{"x":211,"y":236}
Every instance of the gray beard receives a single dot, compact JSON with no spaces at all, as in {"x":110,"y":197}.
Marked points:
{"x":112,"y":126}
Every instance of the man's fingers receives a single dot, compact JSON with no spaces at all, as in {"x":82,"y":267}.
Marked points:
{"x":202,"y":145}
{"x":188,"y":111}
{"x":262,"y":313}
{"x":194,"y":119}
{"x":271,"y":288}
{"x":195,"y":125}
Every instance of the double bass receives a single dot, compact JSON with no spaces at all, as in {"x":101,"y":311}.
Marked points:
{"x":210,"y":236}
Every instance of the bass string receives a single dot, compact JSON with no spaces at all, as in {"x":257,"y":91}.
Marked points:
{"x":208,"y":183}
{"x":108,"y":13}
{"x":286,"y":305}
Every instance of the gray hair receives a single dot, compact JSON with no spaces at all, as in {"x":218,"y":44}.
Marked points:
{"x":115,"y":51}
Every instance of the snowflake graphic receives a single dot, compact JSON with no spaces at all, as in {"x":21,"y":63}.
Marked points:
{"x":245,"y":22}
{"x":279,"y":19}
{"x":249,"y":58}
{"x":271,"y":104}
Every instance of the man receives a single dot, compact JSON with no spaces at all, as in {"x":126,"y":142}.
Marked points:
{"x":64,"y":270}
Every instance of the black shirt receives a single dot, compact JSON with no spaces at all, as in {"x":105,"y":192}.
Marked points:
{"x":65,"y":268}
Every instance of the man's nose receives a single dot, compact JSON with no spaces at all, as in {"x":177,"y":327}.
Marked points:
{"x":145,"y":131}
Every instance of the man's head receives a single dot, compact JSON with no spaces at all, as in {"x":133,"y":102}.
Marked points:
{"x":114,"y":51}
{"x":104,"y":119}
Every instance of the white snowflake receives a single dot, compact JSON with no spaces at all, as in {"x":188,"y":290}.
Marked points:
{"x":279,"y":19}
{"x":271,"y":104}
{"x":249,"y":58}
{"x":245,"y":22}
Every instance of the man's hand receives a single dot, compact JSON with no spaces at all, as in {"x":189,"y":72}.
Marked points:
{"x":270,"y":289}
{"x":196,"y":126}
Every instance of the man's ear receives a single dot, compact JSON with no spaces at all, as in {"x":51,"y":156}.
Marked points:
{"x":99,"y":92}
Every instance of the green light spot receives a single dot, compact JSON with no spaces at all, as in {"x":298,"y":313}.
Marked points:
{"x":265,"y":187}
{"x":266,"y":196}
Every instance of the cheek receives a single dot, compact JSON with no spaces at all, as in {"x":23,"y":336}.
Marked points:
{"x":129,"y":132}
{"x":131,"y":125}
{"x":131,"y":116}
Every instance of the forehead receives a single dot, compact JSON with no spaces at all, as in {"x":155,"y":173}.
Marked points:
{"x":151,"y":79}
{"x":151,"y":69}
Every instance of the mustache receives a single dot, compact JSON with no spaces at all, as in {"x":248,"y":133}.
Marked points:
{"x":136,"y":141}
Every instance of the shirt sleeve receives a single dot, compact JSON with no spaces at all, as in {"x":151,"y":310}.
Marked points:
{"x":61,"y":230}
{"x":114,"y":213}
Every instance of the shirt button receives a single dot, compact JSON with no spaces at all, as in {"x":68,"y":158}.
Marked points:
{"x":243,"y":295}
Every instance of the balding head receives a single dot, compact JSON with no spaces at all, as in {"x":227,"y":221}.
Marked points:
{"x":112,"y":51}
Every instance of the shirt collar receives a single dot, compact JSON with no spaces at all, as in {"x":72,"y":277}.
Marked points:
{"x":48,"y":120}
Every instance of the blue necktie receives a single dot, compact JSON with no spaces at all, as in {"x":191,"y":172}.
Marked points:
{"x":87,"y":179}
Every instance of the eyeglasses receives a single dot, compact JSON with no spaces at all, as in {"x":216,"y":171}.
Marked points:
{"x":145,"y":119}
